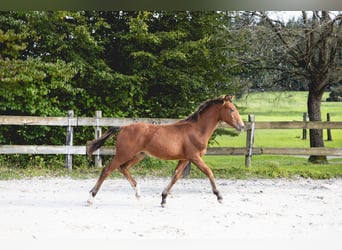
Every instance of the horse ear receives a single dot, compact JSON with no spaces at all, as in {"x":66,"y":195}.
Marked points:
{"x":228,"y":98}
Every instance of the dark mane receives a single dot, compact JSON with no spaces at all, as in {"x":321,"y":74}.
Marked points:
{"x":204,"y":106}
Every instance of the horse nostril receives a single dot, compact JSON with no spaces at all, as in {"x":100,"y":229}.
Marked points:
{"x":240,"y":128}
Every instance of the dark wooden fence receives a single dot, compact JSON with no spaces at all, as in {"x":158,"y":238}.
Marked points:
{"x":70,"y":121}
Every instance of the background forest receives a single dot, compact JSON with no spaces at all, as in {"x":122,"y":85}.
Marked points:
{"x":154,"y":64}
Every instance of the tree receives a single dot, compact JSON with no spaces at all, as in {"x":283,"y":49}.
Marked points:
{"x":28,"y":85}
{"x":175,"y":57}
{"x":307,"y":50}
{"x":127,"y":64}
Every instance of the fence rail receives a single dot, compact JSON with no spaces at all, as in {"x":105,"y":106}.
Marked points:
{"x":98,"y":122}
{"x":76,"y":121}
{"x":81,"y":150}
{"x":105,"y":122}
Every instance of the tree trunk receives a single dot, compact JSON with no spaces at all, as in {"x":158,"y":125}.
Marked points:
{"x":316,"y":135}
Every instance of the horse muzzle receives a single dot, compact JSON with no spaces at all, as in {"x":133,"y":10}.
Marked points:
{"x":240,"y":127}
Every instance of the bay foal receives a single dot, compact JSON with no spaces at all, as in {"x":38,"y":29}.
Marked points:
{"x":185,"y":140}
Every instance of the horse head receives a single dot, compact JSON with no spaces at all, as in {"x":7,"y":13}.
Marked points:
{"x":230,"y":114}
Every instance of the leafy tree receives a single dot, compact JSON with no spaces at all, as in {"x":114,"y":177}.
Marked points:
{"x":173,"y":56}
{"x":127,"y":64}
{"x":28,"y":85}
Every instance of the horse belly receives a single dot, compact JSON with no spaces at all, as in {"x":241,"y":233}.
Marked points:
{"x":166,"y":148}
{"x":161,"y":141}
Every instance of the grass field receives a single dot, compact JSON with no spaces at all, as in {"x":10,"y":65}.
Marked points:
{"x":278,"y":106}
{"x":281,"y":106}
{"x":284,"y":106}
{"x":266,"y":106}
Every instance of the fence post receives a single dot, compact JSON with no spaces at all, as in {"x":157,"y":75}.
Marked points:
{"x":69,"y":140}
{"x":250,"y":141}
{"x":305,"y":116}
{"x":329,"y":137}
{"x":98,"y":133}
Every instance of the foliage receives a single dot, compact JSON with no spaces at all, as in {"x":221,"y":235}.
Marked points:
{"x":171,"y":52}
{"x":152,"y":64}
{"x":35,"y":87}
{"x":127,"y":64}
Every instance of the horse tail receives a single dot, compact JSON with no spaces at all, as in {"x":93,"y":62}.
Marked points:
{"x":186,"y":170}
{"x":97,"y":143}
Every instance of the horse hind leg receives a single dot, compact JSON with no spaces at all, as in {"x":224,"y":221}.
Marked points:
{"x":106,"y":171}
{"x":124,"y":169}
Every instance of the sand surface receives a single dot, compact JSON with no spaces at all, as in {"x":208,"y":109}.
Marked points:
{"x":252,"y":210}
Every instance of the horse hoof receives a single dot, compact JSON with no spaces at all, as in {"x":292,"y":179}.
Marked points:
{"x":90,"y":201}
{"x":163,"y":205}
{"x":137,"y":192}
{"x":220,"y":200}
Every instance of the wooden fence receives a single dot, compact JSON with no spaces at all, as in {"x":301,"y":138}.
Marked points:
{"x":70,"y":121}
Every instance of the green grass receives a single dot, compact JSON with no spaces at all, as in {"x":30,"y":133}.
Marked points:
{"x":225,"y":167}
{"x":281,"y":106}
{"x":284,"y":106}
{"x":266,"y":106}
{"x":273,"y":167}
{"x":276,"y":106}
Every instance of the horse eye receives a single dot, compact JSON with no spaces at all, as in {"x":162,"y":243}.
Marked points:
{"x":232,"y":110}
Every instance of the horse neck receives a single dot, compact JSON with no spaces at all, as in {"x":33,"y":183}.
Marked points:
{"x":208,"y":121}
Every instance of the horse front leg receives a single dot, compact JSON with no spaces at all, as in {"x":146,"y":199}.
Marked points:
{"x":198,"y":161}
{"x":124,"y":169}
{"x":178,"y":172}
